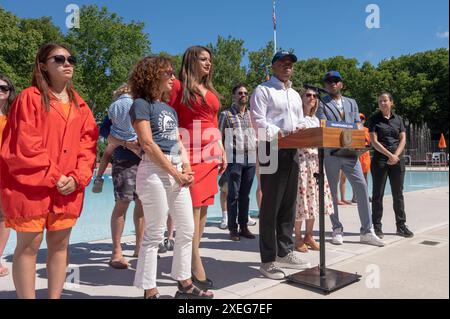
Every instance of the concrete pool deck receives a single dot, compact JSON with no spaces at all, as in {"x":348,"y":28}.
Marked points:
{"x":405,"y":268}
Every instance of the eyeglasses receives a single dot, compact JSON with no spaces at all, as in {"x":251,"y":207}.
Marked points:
{"x":311,"y":95}
{"x":61,"y":59}
{"x":243,"y":93}
{"x":4,"y":88}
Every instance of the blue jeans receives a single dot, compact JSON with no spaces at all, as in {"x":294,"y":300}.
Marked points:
{"x":240,"y":180}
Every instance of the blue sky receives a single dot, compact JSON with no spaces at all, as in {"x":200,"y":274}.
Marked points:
{"x":319,"y":28}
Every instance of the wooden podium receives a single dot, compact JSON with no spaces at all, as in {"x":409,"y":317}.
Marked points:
{"x":320,"y":277}
{"x":324,"y":137}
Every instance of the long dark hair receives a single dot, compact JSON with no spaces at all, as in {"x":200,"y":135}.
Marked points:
{"x":41,"y":79}
{"x":12,"y":93}
{"x":188,"y":75}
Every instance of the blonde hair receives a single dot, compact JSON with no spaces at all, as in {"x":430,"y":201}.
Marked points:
{"x":313,"y":111}
{"x":121,"y":90}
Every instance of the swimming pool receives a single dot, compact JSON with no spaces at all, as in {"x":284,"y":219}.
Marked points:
{"x":94,"y":223}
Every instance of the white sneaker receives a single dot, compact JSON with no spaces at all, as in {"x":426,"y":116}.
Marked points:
{"x":371,"y":239}
{"x":337,"y":237}
{"x":292,"y":261}
{"x":224,"y":223}
{"x":251,"y":221}
{"x":270,"y":270}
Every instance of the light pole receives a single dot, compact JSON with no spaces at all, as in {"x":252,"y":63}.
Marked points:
{"x":274,"y":17}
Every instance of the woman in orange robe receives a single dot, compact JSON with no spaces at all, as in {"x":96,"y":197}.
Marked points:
{"x":7,"y":95}
{"x":47,"y":160}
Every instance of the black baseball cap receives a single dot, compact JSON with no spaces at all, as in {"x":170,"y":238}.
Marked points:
{"x":281,"y":54}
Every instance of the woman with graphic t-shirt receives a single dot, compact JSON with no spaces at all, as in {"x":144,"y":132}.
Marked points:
{"x":163,"y":177}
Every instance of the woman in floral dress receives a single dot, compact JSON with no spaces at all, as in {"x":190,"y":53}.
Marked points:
{"x":308,"y":187}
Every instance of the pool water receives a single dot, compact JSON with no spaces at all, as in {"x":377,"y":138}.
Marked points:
{"x":94,"y":223}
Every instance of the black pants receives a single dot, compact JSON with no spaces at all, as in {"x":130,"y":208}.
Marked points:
{"x":240,"y":180}
{"x":277,"y":213}
{"x":380,"y":172}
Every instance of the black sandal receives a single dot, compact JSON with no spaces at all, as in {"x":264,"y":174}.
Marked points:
{"x":169,"y":244}
{"x":203,"y":284}
{"x":196,"y":293}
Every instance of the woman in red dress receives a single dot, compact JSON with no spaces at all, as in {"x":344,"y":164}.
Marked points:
{"x":197,"y":105}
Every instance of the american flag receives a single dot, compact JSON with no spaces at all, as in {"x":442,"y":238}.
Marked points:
{"x":274,"y":17}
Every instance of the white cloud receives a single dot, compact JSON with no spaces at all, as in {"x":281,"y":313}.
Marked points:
{"x":442,"y":35}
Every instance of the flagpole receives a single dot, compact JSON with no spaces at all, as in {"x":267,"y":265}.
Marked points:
{"x":274,"y":29}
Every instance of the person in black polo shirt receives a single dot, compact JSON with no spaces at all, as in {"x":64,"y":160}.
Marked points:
{"x":388,"y":136}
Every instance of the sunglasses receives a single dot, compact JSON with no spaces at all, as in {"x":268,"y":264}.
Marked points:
{"x":168,"y":74}
{"x":61,"y":59}
{"x":4,"y":88}
{"x":311,"y":95}
{"x":243,"y":93}
{"x":333,"y":80}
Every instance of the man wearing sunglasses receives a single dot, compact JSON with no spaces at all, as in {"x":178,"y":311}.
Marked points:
{"x":338,"y":108}
{"x":239,"y":140}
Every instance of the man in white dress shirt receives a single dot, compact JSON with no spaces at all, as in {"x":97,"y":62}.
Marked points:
{"x":276,"y":111}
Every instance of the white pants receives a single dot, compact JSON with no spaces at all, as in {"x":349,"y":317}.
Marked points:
{"x":161,"y":195}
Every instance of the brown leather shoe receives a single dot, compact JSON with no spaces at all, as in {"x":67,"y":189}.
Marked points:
{"x":245,"y":232}
{"x":234,"y":235}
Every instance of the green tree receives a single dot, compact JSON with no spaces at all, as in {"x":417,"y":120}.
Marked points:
{"x":260,"y":63}
{"x":19,"y":41}
{"x":309,"y":71}
{"x":107,"y":48}
{"x":176,"y":59}
{"x":419,"y":84}
{"x":370,"y":83}
{"x":228,"y":71}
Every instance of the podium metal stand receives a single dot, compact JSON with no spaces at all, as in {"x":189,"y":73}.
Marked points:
{"x":321,"y":277}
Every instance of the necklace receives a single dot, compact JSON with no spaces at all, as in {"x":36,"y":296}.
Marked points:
{"x":60,"y":96}
{"x":2,"y":106}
